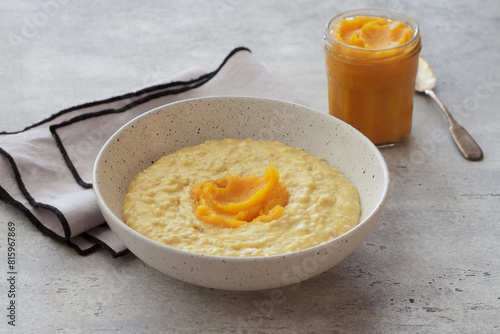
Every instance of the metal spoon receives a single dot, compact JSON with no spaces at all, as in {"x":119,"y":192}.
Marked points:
{"x":425,"y":82}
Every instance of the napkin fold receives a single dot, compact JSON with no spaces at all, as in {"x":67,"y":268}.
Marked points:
{"x":46,"y":168}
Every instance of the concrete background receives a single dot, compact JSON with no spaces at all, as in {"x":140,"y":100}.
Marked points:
{"x":431,"y":265}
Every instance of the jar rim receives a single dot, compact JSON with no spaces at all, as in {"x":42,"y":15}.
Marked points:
{"x":372,"y":12}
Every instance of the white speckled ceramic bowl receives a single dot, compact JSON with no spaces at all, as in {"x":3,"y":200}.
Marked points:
{"x":166,"y":129}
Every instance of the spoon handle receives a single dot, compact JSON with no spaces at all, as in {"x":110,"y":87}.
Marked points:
{"x":465,"y":143}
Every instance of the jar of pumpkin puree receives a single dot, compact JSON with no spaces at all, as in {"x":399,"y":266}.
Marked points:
{"x":371,"y":63}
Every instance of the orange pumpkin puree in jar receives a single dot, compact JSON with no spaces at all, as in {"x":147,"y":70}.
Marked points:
{"x":371,"y":61}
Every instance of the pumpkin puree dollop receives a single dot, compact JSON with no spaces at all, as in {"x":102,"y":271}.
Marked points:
{"x":233,"y":201}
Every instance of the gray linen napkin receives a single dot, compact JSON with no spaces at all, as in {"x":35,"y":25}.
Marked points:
{"x":46,"y":168}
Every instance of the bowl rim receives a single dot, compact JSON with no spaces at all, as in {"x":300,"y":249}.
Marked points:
{"x":122,"y":225}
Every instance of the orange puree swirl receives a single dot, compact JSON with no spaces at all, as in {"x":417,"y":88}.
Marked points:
{"x":233,"y":201}
{"x":372,"y":32}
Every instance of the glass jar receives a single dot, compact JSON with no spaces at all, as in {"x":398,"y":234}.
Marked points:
{"x":372,"y":89}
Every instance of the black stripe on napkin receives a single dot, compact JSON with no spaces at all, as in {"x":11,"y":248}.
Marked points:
{"x":34,"y":203}
{"x":5,"y":197}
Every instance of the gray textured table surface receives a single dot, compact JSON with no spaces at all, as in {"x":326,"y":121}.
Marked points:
{"x":431,"y":265}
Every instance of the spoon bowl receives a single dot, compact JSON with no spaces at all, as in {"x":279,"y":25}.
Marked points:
{"x":426,"y":79}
